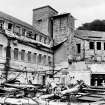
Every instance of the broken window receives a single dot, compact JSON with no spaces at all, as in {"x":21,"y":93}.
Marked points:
{"x":29,"y":56}
{"x":23,"y":32}
{"x":44,"y":40}
{"x":29,"y":34}
{"x":98,"y":45}
{"x":16,"y":53}
{"x":91,"y":45}
{"x":10,"y":25}
{"x":40,"y":38}
{"x":22,"y":55}
{"x":17,"y":30}
{"x":48,"y":41}
{"x":78,"y":48}
{"x":49,"y":61}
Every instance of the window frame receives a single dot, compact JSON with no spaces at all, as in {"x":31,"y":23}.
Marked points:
{"x":91,"y":47}
{"x":49,"y":60}
{"x":16,"y":53}
{"x":17,"y":27}
{"x":98,"y":45}
{"x":22,"y":55}
{"x":44,"y":59}
{"x":11,"y":26}
{"x":29,"y":58}
{"x":29,"y":34}
{"x":35,"y":58}
{"x":23,"y":31}
{"x":78,"y":48}
{"x":39,"y":58}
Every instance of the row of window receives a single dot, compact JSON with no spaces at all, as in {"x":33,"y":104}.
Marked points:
{"x":32,"y":57}
{"x":91,"y":46}
{"x":98,"y":45}
{"x":25,"y":32}
{"x":29,"y":57}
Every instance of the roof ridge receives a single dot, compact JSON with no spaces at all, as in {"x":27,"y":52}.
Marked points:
{"x":18,"y":21}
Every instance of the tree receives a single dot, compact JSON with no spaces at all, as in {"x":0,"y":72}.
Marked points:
{"x":96,"y":25}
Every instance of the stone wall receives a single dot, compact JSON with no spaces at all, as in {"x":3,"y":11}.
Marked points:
{"x":63,"y":35}
{"x":86,"y":52}
{"x":75,"y":72}
{"x":34,"y":71}
{"x":41,"y":19}
{"x":3,"y":46}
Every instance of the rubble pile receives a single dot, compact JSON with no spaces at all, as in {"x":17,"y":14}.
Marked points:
{"x":14,"y":93}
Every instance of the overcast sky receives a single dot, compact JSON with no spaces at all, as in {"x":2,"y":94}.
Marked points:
{"x":83,"y":10}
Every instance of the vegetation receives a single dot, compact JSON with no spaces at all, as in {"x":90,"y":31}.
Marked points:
{"x":96,"y":25}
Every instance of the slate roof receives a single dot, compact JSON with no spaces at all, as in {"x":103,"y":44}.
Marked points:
{"x":18,"y":21}
{"x":91,"y":35}
{"x":13,"y":19}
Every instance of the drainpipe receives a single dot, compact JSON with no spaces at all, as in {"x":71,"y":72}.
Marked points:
{"x":53,"y":61}
{"x":8,"y":56}
{"x":53,"y":43}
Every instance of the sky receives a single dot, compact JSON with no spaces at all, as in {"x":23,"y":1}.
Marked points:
{"x":83,"y":10}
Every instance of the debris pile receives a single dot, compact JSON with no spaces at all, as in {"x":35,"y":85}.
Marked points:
{"x":14,"y":93}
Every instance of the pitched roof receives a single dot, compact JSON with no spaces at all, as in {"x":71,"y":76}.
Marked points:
{"x":92,"y":35}
{"x":47,"y":6}
{"x":18,"y":21}
{"x":13,"y":19}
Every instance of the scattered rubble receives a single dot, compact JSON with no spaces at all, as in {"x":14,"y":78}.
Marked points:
{"x":13,"y":93}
